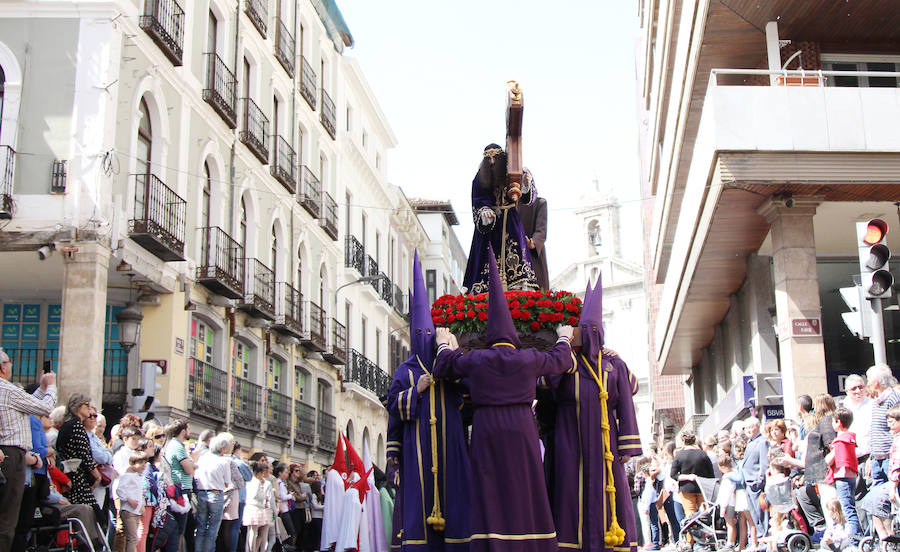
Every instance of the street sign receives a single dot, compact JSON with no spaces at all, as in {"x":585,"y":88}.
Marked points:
{"x":806,"y":327}
{"x":773,"y":411}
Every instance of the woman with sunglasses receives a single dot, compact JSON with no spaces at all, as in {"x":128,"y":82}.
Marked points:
{"x":101,"y":455}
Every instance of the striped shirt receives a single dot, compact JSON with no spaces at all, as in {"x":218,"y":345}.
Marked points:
{"x":16,"y":406}
{"x":880,"y":438}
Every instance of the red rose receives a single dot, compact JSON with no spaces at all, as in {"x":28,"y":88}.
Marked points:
{"x":515,"y":313}
{"x":480,"y":297}
{"x":460,"y":315}
{"x":435,"y":312}
{"x":448,"y":312}
{"x":515,"y":304}
{"x":479,"y":306}
{"x":482,"y":316}
{"x":542,"y":317}
{"x":558,"y":317}
{"x":470,"y":314}
{"x":572,"y":321}
{"x":525,"y":315}
{"x":528,"y":304}
{"x":438,"y":320}
{"x":535,"y":326}
{"x":557,"y":306}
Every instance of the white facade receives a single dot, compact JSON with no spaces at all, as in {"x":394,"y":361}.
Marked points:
{"x":443,"y":259}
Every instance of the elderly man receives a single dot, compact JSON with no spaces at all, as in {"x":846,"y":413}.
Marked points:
{"x":860,"y":405}
{"x":756,"y":461}
{"x":881,"y":382}
{"x":213,"y":478}
{"x":16,"y":406}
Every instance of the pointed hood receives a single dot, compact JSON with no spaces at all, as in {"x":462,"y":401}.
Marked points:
{"x":362,"y":486}
{"x":421,"y":327}
{"x":591,"y":321}
{"x":356,"y":463}
{"x":340,"y":460}
{"x":500,"y":327}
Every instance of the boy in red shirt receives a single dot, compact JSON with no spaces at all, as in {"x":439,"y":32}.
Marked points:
{"x":843,"y":467}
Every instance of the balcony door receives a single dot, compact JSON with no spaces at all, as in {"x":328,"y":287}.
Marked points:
{"x":144,"y":155}
{"x":212,"y":36}
{"x":204,"y":217}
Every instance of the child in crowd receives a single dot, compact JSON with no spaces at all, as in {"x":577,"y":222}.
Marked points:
{"x":843,"y":467}
{"x":725,"y":498}
{"x":131,"y":495}
{"x":745,"y":523}
{"x":837,"y":536}
{"x":778,"y":530}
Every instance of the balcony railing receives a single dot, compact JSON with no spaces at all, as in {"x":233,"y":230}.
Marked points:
{"x":330,"y":211}
{"x":307,"y":82}
{"x":327,"y":430}
{"x":387,"y":294}
{"x":372,"y":270}
{"x":256,"y":129}
{"x":163,"y":20}
{"x":288,"y":309}
{"x":284,"y":48}
{"x":258,"y":13}
{"x":282,"y":167}
{"x":278,"y":414}
{"x":159,"y":214}
{"x":221,"y":89}
{"x":366,"y":374}
{"x":246,"y":404}
{"x":317,"y":331}
{"x":304,"y":423}
{"x":259,"y":290}
{"x":337,"y":352}
{"x":7,"y":166}
{"x":399,"y":300}
{"x":207,"y":390}
{"x":310,"y":197}
{"x":327,"y":115}
{"x":221,"y":263}
{"x":355,"y":255}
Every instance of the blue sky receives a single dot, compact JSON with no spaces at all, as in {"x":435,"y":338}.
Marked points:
{"x":439,"y":72}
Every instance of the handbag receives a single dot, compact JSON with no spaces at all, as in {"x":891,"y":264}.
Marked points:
{"x":107,"y":474}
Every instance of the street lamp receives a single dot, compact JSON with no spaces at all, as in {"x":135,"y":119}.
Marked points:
{"x":129,"y":321}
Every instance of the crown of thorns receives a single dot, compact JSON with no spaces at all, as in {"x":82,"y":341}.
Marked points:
{"x":492,"y":152}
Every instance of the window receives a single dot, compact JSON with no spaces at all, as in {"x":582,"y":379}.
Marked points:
{"x":300,"y":380}
{"x":242,"y":236}
{"x":273,"y":373}
{"x":246,"y":78}
{"x":348,"y":198}
{"x":204,"y":212}
{"x":431,"y":285}
{"x":323,"y":276}
{"x":363,"y":328}
{"x":853,"y":62}
{"x":363,"y":233}
{"x":324,"y":396}
{"x":391,"y":271}
{"x":274,"y":252}
{"x":203,"y":342}
{"x":212,"y":36}
{"x":299,"y":284}
{"x":378,"y":347}
{"x":144,"y":152}
{"x":240,"y":360}
{"x":275,"y":109}
{"x":347,"y":309}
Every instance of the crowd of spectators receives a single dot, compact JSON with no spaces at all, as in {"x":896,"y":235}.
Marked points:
{"x":833,"y":473}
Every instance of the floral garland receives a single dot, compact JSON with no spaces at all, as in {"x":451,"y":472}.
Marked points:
{"x":531,"y":311}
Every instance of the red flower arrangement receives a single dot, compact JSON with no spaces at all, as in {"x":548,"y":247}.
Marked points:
{"x":531,"y":311}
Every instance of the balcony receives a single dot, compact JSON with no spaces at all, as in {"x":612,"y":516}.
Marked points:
{"x":221,"y":267}
{"x":327,"y":116}
{"x":338,"y":350}
{"x":372,"y":270}
{"x":355,"y":255}
{"x":327,"y":431}
{"x":387,"y":294}
{"x":399,"y":301}
{"x":288,"y":310}
{"x":304,"y":424}
{"x":278,"y":414}
{"x":158,"y":223}
{"x":307,"y":83}
{"x":7,"y":166}
{"x":282,"y":167}
{"x":330,"y":221}
{"x":220,"y":92}
{"x":258,"y":13}
{"x":163,"y":20}
{"x":366,"y":374}
{"x":284,"y":48}
{"x":207,"y":390}
{"x":259,"y":290}
{"x":256,"y":128}
{"x":310,"y":192}
{"x":316,"y":337}
{"x":246,"y":404}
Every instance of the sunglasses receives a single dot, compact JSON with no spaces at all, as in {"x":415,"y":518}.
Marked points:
{"x":160,"y":437}
{"x":92,"y":415}
{"x":855,"y":388}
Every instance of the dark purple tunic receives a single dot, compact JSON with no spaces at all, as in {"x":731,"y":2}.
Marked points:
{"x":408,"y":414}
{"x":580,"y":506}
{"x":510,"y":510}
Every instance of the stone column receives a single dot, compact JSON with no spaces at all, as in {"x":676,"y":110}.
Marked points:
{"x":796,"y":282}
{"x":82,"y":336}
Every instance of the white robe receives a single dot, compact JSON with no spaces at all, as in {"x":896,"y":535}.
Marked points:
{"x":334,"y":506}
{"x":372,"y":509}
{"x":351,"y":516}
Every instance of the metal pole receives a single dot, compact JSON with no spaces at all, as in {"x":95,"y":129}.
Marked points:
{"x":877,"y":338}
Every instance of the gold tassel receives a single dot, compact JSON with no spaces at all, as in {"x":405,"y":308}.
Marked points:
{"x":436,"y":519}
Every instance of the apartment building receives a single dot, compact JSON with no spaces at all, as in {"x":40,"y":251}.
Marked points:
{"x":443,"y":259}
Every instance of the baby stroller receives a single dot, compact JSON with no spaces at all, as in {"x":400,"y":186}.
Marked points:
{"x":780,"y":499}
{"x":707,"y":526}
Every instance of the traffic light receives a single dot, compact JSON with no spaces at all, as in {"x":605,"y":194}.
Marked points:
{"x":876,"y":278}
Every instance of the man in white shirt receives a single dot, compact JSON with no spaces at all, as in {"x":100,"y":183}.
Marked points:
{"x":211,"y":479}
{"x":858,"y":402}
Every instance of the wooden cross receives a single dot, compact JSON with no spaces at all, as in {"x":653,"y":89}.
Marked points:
{"x":514,"y":108}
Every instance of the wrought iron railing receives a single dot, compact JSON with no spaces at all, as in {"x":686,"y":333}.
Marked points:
{"x":304,"y":423}
{"x":282,"y":166}
{"x":289,"y":308}
{"x":317,"y":325}
{"x":278,"y":414}
{"x":307,"y":82}
{"x":221,"y":259}
{"x":259,"y":287}
{"x":221,"y":88}
{"x":258,"y":13}
{"x":399,"y":300}
{"x":355,"y":255}
{"x":372,"y":270}
{"x":284,"y":47}
{"x":207,"y":390}
{"x":387,"y":294}
{"x":365,"y":373}
{"x":255,"y":130}
{"x":327,"y":431}
{"x":339,"y":341}
{"x":330,"y":211}
{"x":246,"y":404}
{"x":163,"y":20}
{"x":158,"y":212}
{"x":310,"y":197}
{"x":327,"y":115}
{"x":7,"y":172}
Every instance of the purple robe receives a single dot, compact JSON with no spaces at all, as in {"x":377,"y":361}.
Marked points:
{"x":409,"y":411}
{"x":518,"y":270}
{"x":579,"y":502}
{"x":510,"y":510}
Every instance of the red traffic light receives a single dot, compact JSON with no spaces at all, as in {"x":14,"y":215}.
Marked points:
{"x":875,"y":231}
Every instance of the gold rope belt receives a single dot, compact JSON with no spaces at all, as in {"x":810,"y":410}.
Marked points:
{"x":505,"y":209}
{"x":436,"y":519}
